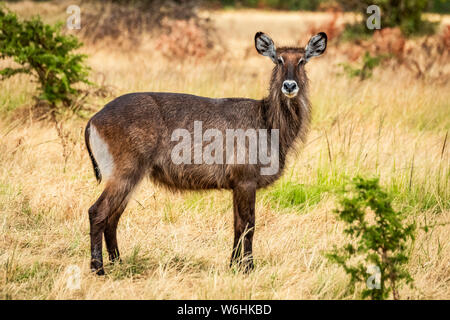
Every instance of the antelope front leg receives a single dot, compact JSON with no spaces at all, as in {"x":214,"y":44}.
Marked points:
{"x":244,"y":225}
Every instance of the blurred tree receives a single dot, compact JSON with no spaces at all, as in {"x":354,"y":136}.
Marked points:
{"x":440,"y":6}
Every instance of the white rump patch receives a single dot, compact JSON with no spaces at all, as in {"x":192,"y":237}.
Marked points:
{"x":101,"y":153}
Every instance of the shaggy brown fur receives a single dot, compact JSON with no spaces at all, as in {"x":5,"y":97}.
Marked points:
{"x":137,"y":129}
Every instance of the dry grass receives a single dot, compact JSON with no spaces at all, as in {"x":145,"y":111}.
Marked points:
{"x":178,"y":245}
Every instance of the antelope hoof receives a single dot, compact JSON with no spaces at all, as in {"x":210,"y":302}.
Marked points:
{"x":245,"y":265}
{"x":114,"y":258}
{"x":97,"y":267}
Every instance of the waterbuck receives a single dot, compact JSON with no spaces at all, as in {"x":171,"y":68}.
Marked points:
{"x":136,"y":135}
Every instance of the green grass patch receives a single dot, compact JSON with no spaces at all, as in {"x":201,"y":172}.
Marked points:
{"x":292,"y":195}
{"x":36,"y":279}
{"x":421,"y":196}
{"x":132,"y":266}
{"x":37,"y":271}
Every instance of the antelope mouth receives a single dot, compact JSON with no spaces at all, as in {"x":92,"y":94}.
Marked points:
{"x":290,"y":95}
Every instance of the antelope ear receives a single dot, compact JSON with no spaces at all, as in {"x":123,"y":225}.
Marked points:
{"x":265,"y":46}
{"x":316,"y":46}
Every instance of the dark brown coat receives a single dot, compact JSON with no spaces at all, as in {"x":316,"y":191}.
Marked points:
{"x":133,"y":133}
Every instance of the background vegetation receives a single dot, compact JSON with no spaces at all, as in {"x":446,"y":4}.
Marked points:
{"x":43,"y":52}
{"x":393,"y":123}
{"x":440,"y":6}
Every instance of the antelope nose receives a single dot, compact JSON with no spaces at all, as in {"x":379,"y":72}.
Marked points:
{"x":289,"y":85}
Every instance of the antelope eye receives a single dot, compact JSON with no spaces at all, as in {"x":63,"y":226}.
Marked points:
{"x":301,"y":61}
{"x":280,"y":60}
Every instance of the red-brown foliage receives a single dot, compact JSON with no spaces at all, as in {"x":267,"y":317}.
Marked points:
{"x":183,"y":39}
{"x":388,"y":41}
{"x":331,"y":27}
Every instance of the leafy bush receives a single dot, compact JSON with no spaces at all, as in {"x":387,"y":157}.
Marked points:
{"x":42,"y":51}
{"x":355,"y":31}
{"x":379,"y":237}
{"x":405,"y":14}
{"x":331,"y":27}
{"x":111,"y":20}
{"x":440,"y":6}
{"x":185,"y":40}
{"x":365,"y":70}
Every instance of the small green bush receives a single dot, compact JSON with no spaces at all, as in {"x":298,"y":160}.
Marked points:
{"x":379,"y":237}
{"x":365,"y":70}
{"x":42,"y":51}
{"x":405,"y":14}
{"x":356,"y":31}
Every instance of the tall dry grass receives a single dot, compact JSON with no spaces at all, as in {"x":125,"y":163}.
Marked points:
{"x":178,"y":245}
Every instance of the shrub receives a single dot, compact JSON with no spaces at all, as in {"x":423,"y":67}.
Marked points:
{"x":331,"y":27}
{"x":405,"y":14}
{"x":184,"y":39}
{"x":42,"y":51}
{"x":122,"y":22}
{"x":365,"y":70}
{"x":389,"y":41}
{"x":427,"y":60}
{"x":379,"y":237}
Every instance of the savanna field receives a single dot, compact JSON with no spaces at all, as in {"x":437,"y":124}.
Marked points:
{"x":393,"y":125}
